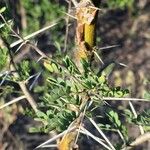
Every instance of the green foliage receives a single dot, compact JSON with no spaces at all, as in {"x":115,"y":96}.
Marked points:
{"x":2,"y":9}
{"x":5,"y":90}
{"x":66,"y":89}
{"x":142,"y":118}
{"x":116,"y":122}
{"x":41,"y":12}
{"x":24,"y":69}
{"x":63,"y":88}
{"x":3,"y":57}
{"x":120,"y":3}
{"x":5,"y":30}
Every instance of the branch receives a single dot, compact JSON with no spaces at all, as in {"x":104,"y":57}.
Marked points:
{"x":25,"y":90}
{"x":12,"y":101}
{"x":102,"y":134}
{"x":135,"y":115}
{"x":124,"y":99}
{"x":56,"y":137}
{"x":32,"y":35}
{"x":141,"y":139}
{"x":13,"y":68}
{"x":97,"y":139}
{"x":75,"y":3}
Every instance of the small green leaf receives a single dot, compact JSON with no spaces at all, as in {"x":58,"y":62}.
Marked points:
{"x":52,"y":80}
{"x":48,"y":66}
{"x":55,"y":67}
{"x":49,"y":113}
{"x":33,"y":129}
{"x":66,"y":61}
{"x":2,"y":9}
{"x":101,"y":79}
{"x":61,"y":81}
{"x":40,"y":114}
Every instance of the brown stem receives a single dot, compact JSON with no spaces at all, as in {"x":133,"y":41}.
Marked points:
{"x":22,"y":16}
{"x":24,"y":89}
{"x":140,"y":140}
{"x":86,"y":14}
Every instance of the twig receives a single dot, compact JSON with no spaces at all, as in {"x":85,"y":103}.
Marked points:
{"x":13,"y":101}
{"x":96,"y":8}
{"x":125,"y":99}
{"x":108,"y":47}
{"x":24,"y":88}
{"x":98,"y":57}
{"x":141,"y":139}
{"x":5,"y":76}
{"x":75,"y":3}
{"x":28,"y":96}
{"x":86,"y":132}
{"x":23,"y":16}
{"x":121,"y":135}
{"x":67,"y":27}
{"x":43,"y":55}
{"x":135,"y":114}
{"x":50,"y":145}
{"x":32,"y":35}
{"x":17,"y":75}
{"x":68,"y":14}
{"x":81,"y":121}
{"x":102,"y":134}
{"x":56,"y":137}
{"x":10,"y":27}
{"x":34,"y":81}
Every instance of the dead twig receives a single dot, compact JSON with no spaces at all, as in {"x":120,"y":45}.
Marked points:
{"x":13,"y":101}
{"x":67,"y":27}
{"x":125,"y":99}
{"x":32,"y":35}
{"x":141,"y":139}
{"x":56,"y":137}
{"x":135,"y":115}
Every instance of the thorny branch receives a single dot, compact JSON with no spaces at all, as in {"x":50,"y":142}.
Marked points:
{"x":16,"y":74}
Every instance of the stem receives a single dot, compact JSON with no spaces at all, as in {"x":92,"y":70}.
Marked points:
{"x":86,"y":14}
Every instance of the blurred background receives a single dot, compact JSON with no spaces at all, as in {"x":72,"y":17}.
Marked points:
{"x":125,"y":23}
